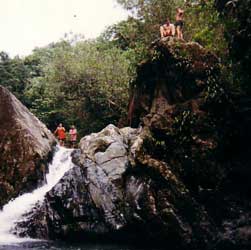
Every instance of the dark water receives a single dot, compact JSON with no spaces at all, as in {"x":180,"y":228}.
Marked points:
{"x":61,"y":246}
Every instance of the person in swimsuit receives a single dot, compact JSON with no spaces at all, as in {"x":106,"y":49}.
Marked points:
{"x":179,"y":22}
{"x":167,"y":29}
{"x":60,"y":132}
{"x":73,"y":136}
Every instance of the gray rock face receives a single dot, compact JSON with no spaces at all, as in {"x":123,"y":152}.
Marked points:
{"x":110,"y":196}
{"x":25,"y":146}
{"x":104,"y":158}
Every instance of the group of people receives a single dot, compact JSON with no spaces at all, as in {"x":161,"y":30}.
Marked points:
{"x":169,"y":29}
{"x":60,"y":132}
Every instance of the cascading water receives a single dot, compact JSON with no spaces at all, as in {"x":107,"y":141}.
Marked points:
{"x":15,"y":209}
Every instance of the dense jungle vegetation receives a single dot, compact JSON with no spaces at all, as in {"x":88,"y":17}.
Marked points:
{"x":86,"y":82}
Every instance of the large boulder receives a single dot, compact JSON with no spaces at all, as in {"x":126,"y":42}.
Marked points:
{"x":25,"y":147}
{"x":200,"y":130}
{"x":176,"y":73}
{"x":116,"y":193}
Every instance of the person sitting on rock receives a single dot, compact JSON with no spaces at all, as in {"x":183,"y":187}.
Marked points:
{"x":60,"y":132}
{"x":167,"y":29}
{"x":179,"y":23}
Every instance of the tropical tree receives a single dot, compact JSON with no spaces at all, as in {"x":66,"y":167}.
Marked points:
{"x":84,"y":83}
{"x":13,"y":75}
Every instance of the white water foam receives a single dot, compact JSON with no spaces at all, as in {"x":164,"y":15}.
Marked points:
{"x":15,"y":209}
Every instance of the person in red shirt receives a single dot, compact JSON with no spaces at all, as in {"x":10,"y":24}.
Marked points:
{"x":73,"y":136}
{"x":60,"y":133}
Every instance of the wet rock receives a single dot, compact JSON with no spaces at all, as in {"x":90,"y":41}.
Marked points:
{"x":108,"y":196}
{"x":25,"y":147}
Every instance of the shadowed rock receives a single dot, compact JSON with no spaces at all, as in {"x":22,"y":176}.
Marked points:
{"x":25,"y":147}
{"x":177,"y":72}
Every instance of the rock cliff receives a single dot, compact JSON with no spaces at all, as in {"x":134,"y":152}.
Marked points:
{"x":112,"y":195}
{"x":25,"y":147}
{"x":201,"y":131}
{"x":180,"y":178}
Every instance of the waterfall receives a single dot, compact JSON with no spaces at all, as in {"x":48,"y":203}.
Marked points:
{"x":15,"y":209}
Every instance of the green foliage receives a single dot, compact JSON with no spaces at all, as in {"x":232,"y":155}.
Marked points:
{"x":215,"y":91}
{"x":203,"y":25}
{"x":181,"y":129}
{"x":138,"y":32}
{"x":152,"y":12}
{"x":14,"y":74}
{"x":84,"y":83}
{"x":236,"y":16}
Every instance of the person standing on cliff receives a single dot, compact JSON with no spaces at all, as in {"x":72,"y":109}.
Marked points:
{"x":179,"y":23}
{"x":60,"y":132}
{"x":73,"y":136}
{"x":167,"y":29}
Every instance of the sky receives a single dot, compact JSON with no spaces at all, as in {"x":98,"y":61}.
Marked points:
{"x":26,"y":24}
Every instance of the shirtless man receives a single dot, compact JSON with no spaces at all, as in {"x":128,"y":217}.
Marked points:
{"x":179,"y":22}
{"x":167,"y":29}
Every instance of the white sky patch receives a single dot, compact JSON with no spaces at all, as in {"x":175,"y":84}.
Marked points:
{"x":26,"y":24}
